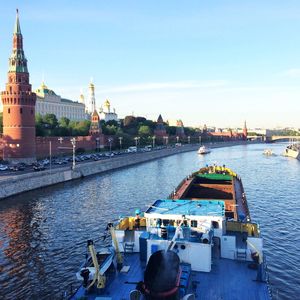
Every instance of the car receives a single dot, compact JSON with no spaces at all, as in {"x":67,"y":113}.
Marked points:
{"x":3,"y":168}
{"x":38,"y":168}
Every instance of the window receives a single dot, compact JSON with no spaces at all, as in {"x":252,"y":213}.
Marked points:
{"x":21,"y":110}
{"x":8,"y":110}
{"x":215,"y":224}
{"x":194,"y":223}
{"x":32,"y":111}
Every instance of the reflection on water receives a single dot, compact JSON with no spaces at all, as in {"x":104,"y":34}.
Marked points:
{"x":43,"y":233}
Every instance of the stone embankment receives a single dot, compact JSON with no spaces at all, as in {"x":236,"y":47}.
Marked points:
{"x":13,"y":185}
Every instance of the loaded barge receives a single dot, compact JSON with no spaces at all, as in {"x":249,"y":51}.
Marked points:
{"x":199,"y":243}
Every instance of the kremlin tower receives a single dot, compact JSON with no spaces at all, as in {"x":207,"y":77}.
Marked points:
{"x":160,"y":129}
{"x":18,"y":105}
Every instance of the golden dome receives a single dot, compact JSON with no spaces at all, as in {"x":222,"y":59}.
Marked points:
{"x":106,"y":103}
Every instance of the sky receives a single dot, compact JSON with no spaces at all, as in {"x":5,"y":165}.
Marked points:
{"x":216,"y":62}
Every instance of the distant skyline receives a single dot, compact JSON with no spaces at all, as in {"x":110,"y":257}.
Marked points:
{"x":205,"y":62}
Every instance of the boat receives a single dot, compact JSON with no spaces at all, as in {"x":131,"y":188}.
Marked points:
{"x":268,"y":152}
{"x":293,"y":150}
{"x":204,"y":150}
{"x":200,"y":242}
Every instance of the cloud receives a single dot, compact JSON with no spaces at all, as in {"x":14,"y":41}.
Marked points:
{"x":152,"y":86}
{"x":292,"y":73}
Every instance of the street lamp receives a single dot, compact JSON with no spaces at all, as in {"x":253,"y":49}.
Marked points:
{"x":200,"y":139}
{"x":97,"y":144}
{"x":137,"y":138}
{"x":73,"y":142}
{"x":153,"y":141}
{"x":177,"y":138}
{"x":189,"y":139}
{"x":120,"y":141}
{"x":110,"y":141}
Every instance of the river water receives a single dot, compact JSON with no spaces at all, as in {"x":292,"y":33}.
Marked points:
{"x":43,"y":233}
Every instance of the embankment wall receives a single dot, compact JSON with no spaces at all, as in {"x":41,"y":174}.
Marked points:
{"x":13,"y":185}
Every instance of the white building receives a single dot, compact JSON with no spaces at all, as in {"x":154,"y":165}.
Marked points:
{"x":47,"y":102}
{"x":106,"y":114}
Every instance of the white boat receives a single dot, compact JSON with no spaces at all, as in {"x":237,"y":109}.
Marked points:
{"x":268,"y":152}
{"x":204,"y":150}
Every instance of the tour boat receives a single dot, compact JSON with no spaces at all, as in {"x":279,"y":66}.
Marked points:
{"x":204,"y":150}
{"x":199,"y":243}
{"x":293,"y":150}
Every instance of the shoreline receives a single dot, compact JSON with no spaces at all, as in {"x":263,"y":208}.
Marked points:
{"x":17,"y":184}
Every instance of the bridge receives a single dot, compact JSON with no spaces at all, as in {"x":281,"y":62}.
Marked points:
{"x":274,"y":138}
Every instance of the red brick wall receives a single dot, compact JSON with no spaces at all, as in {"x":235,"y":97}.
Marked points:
{"x":88,"y":143}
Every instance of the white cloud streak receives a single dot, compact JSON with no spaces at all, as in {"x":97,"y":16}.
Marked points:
{"x":292,"y":73}
{"x":153,"y":86}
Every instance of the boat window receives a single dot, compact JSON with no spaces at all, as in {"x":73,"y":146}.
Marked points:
{"x":215,"y":224}
{"x":166,"y":222}
{"x":194,"y":223}
{"x":171,"y":222}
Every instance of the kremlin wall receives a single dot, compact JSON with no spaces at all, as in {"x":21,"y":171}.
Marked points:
{"x":20,"y":105}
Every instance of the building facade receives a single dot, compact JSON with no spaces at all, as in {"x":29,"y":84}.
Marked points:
{"x":47,"y":102}
{"x":18,"y":106}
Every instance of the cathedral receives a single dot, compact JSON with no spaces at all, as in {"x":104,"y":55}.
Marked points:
{"x":106,"y":114}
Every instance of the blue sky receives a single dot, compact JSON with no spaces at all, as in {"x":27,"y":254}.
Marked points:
{"x":213,"y":62}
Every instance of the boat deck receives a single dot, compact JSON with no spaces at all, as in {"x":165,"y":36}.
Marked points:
{"x":228,"y":280}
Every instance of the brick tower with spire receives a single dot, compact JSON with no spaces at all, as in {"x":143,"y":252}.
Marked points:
{"x":18,"y":105}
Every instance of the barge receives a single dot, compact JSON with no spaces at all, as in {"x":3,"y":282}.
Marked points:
{"x":199,"y":243}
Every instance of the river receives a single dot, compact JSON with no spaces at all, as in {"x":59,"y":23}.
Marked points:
{"x":43,"y":232}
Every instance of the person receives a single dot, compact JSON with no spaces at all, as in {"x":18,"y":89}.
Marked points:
{"x":137,"y":220}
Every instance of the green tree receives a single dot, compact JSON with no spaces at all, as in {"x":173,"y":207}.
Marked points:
{"x":64,"y":122}
{"x":144,"y":130}
{"x":50,"y":121}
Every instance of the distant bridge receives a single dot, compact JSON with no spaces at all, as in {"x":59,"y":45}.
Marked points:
{"x":275,"y":138}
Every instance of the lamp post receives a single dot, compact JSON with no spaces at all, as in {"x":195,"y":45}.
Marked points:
{"x":200,"y":140}
{"x":73,"y":142}
{"x":110,"y":141}
{"x":189,"y":139}
{"x":97,"y":144}
{"x":120,"y":141}
{"x":137,"y":138}
{"x":177,"y":138}
{"x":153,"y":141}
{"x":50,"y":156}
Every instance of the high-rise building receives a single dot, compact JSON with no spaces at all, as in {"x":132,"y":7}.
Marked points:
{"x":18,"y":105}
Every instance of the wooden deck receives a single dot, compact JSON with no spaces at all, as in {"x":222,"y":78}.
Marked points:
{"x":228,"y":280}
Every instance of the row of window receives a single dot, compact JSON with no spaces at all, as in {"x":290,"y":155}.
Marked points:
{"x":21,"y":110}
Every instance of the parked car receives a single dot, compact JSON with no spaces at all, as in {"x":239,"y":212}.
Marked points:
{"x":38,"y":168}
{"x":3,"y":168}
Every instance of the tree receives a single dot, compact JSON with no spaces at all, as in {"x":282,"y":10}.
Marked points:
{"x":64,"y":122}
{"x":50,"y":121}
{"x":144,"y":130}
{"x":130,"y":121}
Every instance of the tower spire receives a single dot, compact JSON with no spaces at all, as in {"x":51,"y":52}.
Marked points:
{"x":17,"y":29}
{"x":17,"y":60}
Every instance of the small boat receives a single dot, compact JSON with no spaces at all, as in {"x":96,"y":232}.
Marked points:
{"x":200,"y":242}
{"x":204,"y":150}
{"x":268,"y":152}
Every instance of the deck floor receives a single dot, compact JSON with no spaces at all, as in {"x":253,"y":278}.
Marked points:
{"x":228,"y":280}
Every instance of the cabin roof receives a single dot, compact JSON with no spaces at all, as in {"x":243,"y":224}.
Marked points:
{"x":188,"y":207}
